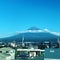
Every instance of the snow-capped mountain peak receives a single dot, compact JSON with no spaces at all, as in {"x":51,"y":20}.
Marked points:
{"x":37,"y":30}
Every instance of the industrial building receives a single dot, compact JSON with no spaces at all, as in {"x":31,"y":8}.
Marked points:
{"x":52,"y":54}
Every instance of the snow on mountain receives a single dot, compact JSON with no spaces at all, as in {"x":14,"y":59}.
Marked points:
{"x":37,"y":30}
{"x":55,"y":33}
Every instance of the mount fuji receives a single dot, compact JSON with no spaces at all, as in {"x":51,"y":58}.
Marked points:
{"x":33,"y":34}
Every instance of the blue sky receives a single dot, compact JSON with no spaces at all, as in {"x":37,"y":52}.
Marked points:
{"x":17,"y":15}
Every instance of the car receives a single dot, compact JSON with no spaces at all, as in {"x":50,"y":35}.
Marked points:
{"x":23,"y":55}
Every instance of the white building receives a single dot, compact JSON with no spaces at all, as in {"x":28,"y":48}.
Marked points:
{"x":7,"y":53}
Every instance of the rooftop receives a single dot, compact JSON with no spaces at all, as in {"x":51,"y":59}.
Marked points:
{"x":5,"y":49}
{"x":52,"y":53}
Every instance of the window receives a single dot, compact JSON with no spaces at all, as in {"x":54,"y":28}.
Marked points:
{"x":51,"y":50}
{"x":0,"y":51}
{"x":7,"y":51}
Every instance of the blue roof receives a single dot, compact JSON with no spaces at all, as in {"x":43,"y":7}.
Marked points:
{"x":52,"y":53}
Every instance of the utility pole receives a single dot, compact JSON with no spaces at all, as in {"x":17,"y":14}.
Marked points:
{"x":23,"y":41}
{"x":59,"y":40}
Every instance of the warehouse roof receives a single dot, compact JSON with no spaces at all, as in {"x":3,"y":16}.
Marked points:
{"x":52,"y":53}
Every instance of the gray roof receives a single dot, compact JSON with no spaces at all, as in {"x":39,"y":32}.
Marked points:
{"x":6,"y":49}
{"x":52,"y":53}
